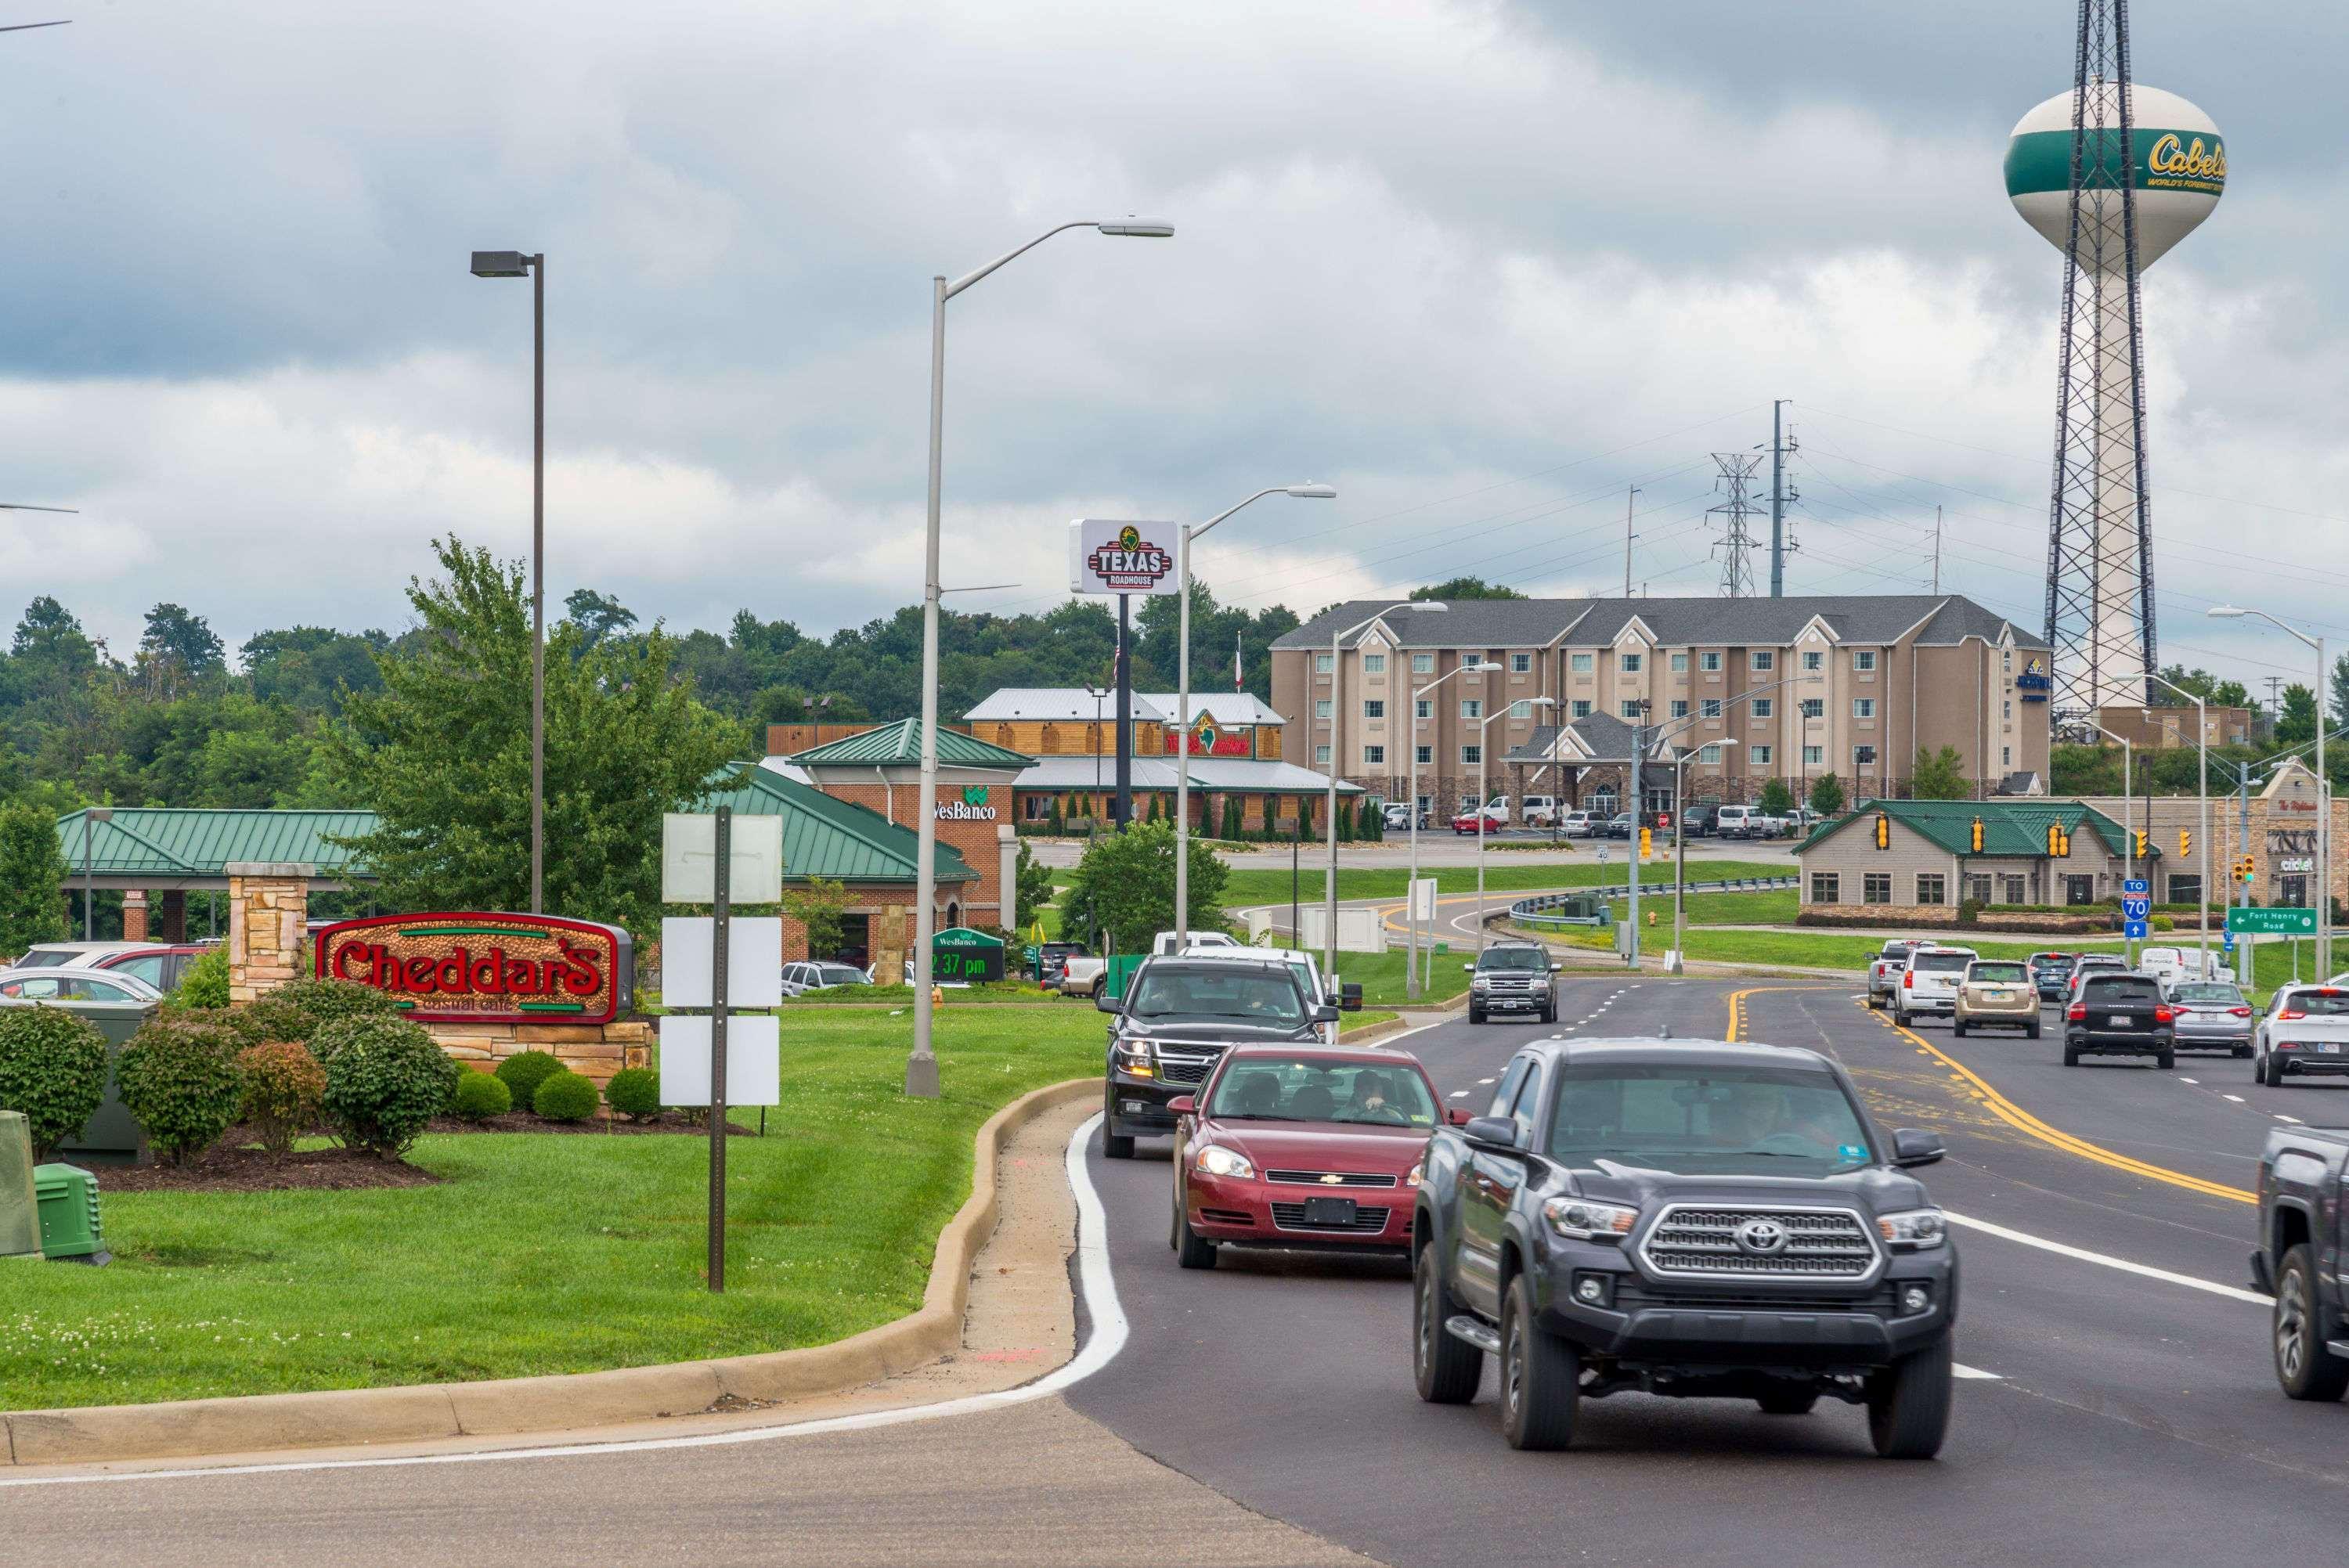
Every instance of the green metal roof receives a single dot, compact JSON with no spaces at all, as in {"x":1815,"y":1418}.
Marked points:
{"x":823,"y":837}
{"x":900,"y":745}
{"x":2012,"y":828}
{"x":174,"y":844}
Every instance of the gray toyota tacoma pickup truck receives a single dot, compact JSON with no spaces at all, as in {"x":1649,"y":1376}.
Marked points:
{"x":2300,"y":1259}
{"x":1690,"y":1218}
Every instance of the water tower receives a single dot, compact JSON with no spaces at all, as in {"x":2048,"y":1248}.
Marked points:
{"x":2112,"y":175}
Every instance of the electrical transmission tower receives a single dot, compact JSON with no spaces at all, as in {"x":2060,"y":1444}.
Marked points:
{"x":1738,"y":470}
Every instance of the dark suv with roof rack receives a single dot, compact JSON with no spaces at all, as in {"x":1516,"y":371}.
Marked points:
{"x":1177,"y":1018}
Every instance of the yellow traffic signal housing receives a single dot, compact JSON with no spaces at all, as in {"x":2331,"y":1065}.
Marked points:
{"x":2054,"y":840}
{"x":2141,"y":837}
{"x":1978,"y":836}
{"x":1883,"y":829}
{"x":2185,"y":842}
{"x":1644,"y":843}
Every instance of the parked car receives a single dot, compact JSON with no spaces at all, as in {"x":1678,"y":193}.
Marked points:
{"x":1579,"y":825}
{"x":64,"y":985}
{"x":2051,"y":972}
{"x":2211,"y":1016}
{"x":2303,"y":1228}
{"x":1700,"y":821}
{"x":1396,"y":817}
{"x":1465,"y":823}
{"x":1286,"y":1147}
{"x":1513,"y":977}
{"x":2304,"y":1032}
{"x":2120,"y":1015}
{"x":1618,"y":826}
{"x":1687,"y":1218}
{"x":73,"y":954}
{"x":1747,"y":822}
{"x":1996,"y":993}
{"x":1051,"y":958}
{"x":1929,"y":981}
{"x":1537,"y":810}
{"x":1885,"y":969}
{"x":818,"y":976}
{"x":1081,"y":974}
{"x":1177,"y":1017}
{"x":159,"y":964}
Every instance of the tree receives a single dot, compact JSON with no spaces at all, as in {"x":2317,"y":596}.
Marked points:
{"x":817,"y":905}
{"x":1940,"y":775}
{"x":2297,"y":720}
{"x":1034,"y":890}
{"x":1776,"y":799}
{"x":1124,"y":887}
{"x":32,"y":874}
{"x":1465,"y":588}
{"x":442,"y":755}
{"x":307,"y":667}
{"x":180,"y":648}
{"x":2340,"y":703}
{"x":597,"y":615}
{"x":1826,"y":795}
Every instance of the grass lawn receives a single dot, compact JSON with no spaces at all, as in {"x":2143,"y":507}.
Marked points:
{"x":1776,"y":908}
{"x":1354,"y":1022}
{"x":1828,"y":950}
{"x":1009,"y":992}
{"x":1381,"y":976}
{"x":1253,"y":885}
{"x":540,"y":1255}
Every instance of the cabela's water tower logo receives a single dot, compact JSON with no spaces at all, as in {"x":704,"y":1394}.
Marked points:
{"x":1130,"y":563}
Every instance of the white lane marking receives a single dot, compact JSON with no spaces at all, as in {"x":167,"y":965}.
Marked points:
{"x":1459,"y":1094}
{"x":1484,"y":1081}
{"x":2236,"y":1097}
{"x":2281,"y":1117}
{"x":1959,"y":1369}
{"x":1093,"y":1275}
{"x":2148,"y":1271}
{"x":2189,"y":1080}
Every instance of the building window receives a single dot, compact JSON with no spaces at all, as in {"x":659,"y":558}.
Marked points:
{"x":1630,"y":709}
{"x":1374,"y":756}
{"x":1422,"y":708}
{"x":1426,"y":755}
{"x":1709,"y":756}
{"x":1374,"y":664}
{"x":1932,"y":887}
{"x":1472,"y":708}
{"x":1032,"y":807}
{"x":2012,"y":890}
{"x":1471,"y":755}
{"x":1977,"y":886}
{"x":1863,"y":707}
{"x":1679,"y":664}
{"x":2006,"y":756}
{"x":1521,"y":711}
{"x":1813,"y":755}
{"x":1521,"y":664}
{"x":1765,"y":660}
{"x":1762,"y":706}
{"x":1423,"y":664}
{"x":1826,"y":887}
{"x":2186,"y":888}
{"x":1758,"y":755}
{"x":1578,"y":663}
{"x":1708,"y":661}
{"x":1321,"y":708}
{"x":1813,"y":658}
{"x":1710,"y":708}
{"x":1374,"y":707}
{"x":1875,"y":887}
{"x":1813,"y":708}
{"x":2006,"y":709}
{"x":1320,"y":664}
{"x":1629,"y":664}
{"x":1582,"y":707}
{"x":1865,"y":659}
{"x":1322,"y":756}
{"x":2006,"y":659}
{"x":1863,"y":757}
{"x":1680,"y":707}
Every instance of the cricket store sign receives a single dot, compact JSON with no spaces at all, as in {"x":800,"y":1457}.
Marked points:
{"x":971,"y":808}
{"x":1107,"y":556}
{"x":478,"y":968}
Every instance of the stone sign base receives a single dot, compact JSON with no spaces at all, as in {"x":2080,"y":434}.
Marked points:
{"x":595,"y":1051}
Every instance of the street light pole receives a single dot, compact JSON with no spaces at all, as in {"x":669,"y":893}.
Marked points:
{"x":1183,"y":700}
{"x":2129,"y":837}
{"x":2324,"y":786}
{"x":922,"y":1064}
{"x":1482,"y":727}
{"x":2203,"y":787}
{"x":1337,"y":684}
{"x":1411,"y":913}
{"x":89,"y":885}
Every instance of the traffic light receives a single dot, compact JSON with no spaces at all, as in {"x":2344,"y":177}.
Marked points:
{"x":2142,"y":836}
{"x":1883,"y":829}
{"x":2185,"y":843}
{"x":1978,"y":836}
{"x":2054,"y":840}
{"x":2064,"y":838}
{"x":1644,"y":843}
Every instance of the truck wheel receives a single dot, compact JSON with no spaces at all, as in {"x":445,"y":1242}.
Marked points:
{"x":2165,"y":1060}
{"x":2305,"y":1368}
{"x":1541,"y":1378}
{"x":1447,"y":1369}
{"x":1909,"y":1404}
{"x":1899,"y":1019}
{"x":2070,"y":1057}
{"x":1112,"y":1146}
{"x":1788,"y":1401}
{"x":1873,"y":1004}
{"x":1476,"y":1015}
{"x":1549,"y":1013}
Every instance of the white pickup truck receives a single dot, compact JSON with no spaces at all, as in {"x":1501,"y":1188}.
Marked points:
{"x":1883,"y":969}
{"x":1930,"y":983}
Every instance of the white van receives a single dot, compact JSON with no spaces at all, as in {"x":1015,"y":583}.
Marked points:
{"x":1166,"y":941}
{"x":1537,"y":810}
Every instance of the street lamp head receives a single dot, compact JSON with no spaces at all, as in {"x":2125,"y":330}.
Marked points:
{"x":1313,"y":492}
{"x":1136,"y":228}
{"x":500,"y":264}
{"x":101,"y":813}
{"x":2225,"y":612}
{"x":1540,"y":702}
{"x":1430,"y":607}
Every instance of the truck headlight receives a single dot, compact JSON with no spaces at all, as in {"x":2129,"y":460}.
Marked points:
{"x":1588,"y":1221}
{"x":1478,"y":983}
{"x":1215,"y":1160}
{"x":1915,"y":1230}
{"x":1136,"y":1059}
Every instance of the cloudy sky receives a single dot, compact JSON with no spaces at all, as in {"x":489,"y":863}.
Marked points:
{"x":1481,"y":265}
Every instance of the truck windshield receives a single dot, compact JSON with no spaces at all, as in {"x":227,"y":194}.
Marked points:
{"x":1515,"y":960}
{"x":1754,"y":1121}
{"x":1258,"y":996}
{"x":1309,"y":1089}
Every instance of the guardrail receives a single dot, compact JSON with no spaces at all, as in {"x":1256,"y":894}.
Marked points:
{"x":1535,"y":911}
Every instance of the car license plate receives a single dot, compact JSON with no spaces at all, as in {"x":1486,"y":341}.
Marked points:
{"x":1339,"y":1211}
{"x":2330,"y":1047}
{"x":2119,"y":1020}
{"x":1999,"y":996}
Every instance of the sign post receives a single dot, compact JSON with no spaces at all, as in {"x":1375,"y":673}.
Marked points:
{"x":2136,"y":912}
{"x":721,"y":917}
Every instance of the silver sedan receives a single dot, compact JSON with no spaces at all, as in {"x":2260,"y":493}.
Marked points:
{"x":2211,"y":1016}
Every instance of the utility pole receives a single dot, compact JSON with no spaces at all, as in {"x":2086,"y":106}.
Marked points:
{"x":1627,"y":537}
{"x":1937,"y":550}
{"x":1782,"y":496}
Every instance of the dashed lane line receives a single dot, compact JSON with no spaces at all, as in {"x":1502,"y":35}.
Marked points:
{"x":1961,"y":1370}
{"x":2143,"y":1271}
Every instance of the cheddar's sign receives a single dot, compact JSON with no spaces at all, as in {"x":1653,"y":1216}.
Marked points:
{"x":479,"y":968}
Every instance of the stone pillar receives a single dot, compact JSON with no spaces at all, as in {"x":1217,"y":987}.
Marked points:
{"x":172,"y":918}
{"x":890,"y":942}
{"x":268,"y":907}
{"x":134,"y":916}
{"x":1007,"y":880}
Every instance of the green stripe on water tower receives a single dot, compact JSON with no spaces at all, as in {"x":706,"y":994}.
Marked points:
{"x":2039,"y":162}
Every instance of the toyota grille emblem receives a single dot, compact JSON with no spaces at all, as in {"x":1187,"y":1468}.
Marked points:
{"x":1762,"y":1238}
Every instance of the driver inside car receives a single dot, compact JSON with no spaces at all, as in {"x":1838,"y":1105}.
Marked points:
{"x":1370,"y":1095}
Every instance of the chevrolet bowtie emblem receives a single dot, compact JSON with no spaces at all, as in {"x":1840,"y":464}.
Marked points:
{"x":1331,"y":1180}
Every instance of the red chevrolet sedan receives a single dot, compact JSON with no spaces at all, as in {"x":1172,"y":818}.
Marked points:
{"x":1301,"y":1147}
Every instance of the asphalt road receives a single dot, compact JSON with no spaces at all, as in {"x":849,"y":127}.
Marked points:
{"x":2126,"y":1419}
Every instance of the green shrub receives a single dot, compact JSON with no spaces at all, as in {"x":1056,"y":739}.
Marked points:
{"x":180,"y":1077}
{"x":480,"y":1096}
{"x":53,"y":1068}
{"x":204,"y":983}
{"x":635,"y":1093}
{"x":385,"y":1080}
{"x":301,"y":1009}
{"x":285,"y":1090}
{"x":566,"y":1096}
{"x":525,"y":1072}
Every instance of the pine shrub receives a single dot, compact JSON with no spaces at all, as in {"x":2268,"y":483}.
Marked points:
{"x":53,"y":1068}
{"x":284,"y":1091}
{"x":386,"y":1079}
{"x":480,"y":1096}
{"x":524,"y":1071}
{"x":635,"y":1093}
{"x":566,"y":1096}
{"x":181,"y":1077}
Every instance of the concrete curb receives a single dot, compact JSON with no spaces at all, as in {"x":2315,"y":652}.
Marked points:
{"x":345,"y":1417}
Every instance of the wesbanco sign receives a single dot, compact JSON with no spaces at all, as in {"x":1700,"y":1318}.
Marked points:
{"x":473,"y":967}
{"x":971,"y":808}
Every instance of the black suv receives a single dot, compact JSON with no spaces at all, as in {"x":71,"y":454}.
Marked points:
{"x":2119,"y":1015}
{"x":1172,"y":1025}
{"x":1513,"y":977}
{"x":1690,"y":1218}
{"x":1702,"y":822}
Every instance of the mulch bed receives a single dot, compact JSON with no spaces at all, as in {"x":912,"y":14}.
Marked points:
{"x":669,"y":1121}
{"x":225,"y":1169}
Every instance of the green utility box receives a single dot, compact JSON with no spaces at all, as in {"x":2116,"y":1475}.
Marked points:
{"x":69,"y":1228}
{"x":112,"y":1136}
{"x":20,"y":1227}
{"x":1117,"y":969}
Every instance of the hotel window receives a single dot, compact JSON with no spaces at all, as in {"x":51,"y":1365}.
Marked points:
{"x":1762,"y":707}
{"x":1813,"y":658}
{"x":1708,"y":661}
{"x":1374,"y":664}
{"x":1423,"y":664}
{"x":1631,"y":709}
{"x":1426,"y":755}
{"x":1813,"y":755}
{"x":1863,"y":707}
{"x":1422,"y":708}
{"x":1679,"y":664}
{"x":1758,"y":755}
{"x":1472,"y":708}
{"x":1320,"y":664}
{"x":1374,"y":707}
{"x":1932,"y":888}
{"x":1321,"y":708}
{"x":1765,"y":661}
{"x":1471,"y":755}
{"x":1322,"y":755}
{"x":1709,"y":756}
{"x":2006,"y":756}
{"x":1826,"y":888}
{"x":1578,"y":663}
{"x":2006,"y":707}
{"x":1521,"y":710}
{"x":1582,"y":707}
{"x":1680,"y":707}
{"x":1630,"y":663}
{"x":1863,"y":660}
{"x":1374,"y":756}
{"x":1708,"y":708}
{"x":2006,"y":661}
{"x":1875,"y":887}
{"x":1863,"y":757}
{"x":1521,"y":664}
{"x":1814,"y":707}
